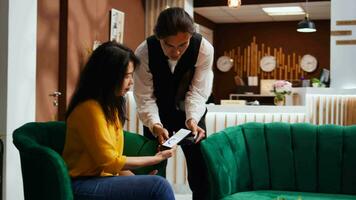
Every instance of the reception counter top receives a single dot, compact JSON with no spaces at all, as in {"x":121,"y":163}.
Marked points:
{"x":324,"y":91}
{"x":304,"y":93}
{"x":255,"y":109}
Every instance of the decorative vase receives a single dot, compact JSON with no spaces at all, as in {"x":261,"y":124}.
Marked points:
{"x":279,"y":100}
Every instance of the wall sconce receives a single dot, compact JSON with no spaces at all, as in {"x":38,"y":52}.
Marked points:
{"x":306,"y":25}
{"x":234,"y":3}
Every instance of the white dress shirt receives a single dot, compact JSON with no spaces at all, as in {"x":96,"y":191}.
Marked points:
{"x":199,"y":90}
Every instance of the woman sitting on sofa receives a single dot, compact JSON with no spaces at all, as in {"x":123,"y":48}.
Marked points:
{"x":94,"y":141}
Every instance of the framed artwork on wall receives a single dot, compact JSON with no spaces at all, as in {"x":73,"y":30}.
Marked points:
{"x":117,"y":20}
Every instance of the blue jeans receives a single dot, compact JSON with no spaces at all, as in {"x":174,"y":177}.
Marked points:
{"x":145,"y":187}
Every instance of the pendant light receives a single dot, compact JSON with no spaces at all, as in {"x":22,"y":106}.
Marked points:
{"x":234,"y":3}
{"x":306,"y":25}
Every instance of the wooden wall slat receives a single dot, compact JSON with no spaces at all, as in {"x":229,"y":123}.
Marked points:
{"x":345,"y":22}
{"x":345,"y":42}
{"x":340,"y":32}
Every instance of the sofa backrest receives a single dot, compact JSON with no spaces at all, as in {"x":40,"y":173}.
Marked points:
{"x":282,"y":156}
{"x":49,"y":134}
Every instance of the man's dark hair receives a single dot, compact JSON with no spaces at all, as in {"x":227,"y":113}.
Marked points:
{"x":173,"y":20}
{"x":102,"y":78}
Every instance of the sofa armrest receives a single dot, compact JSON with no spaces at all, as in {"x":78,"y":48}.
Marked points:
{"x":227,"y":162}
{"x":138,"y":145}
{"x":218,"y":173}
{"x":45,"y":175}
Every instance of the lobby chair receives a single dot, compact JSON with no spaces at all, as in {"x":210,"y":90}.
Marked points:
{"x":44,"y":172}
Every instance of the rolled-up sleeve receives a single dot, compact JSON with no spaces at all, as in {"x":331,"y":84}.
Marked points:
{"x":143,"y":90}
{"x":201,"y":86}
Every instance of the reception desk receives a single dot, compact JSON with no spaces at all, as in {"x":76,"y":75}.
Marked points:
{"x":263,"y":99}
{"x":222,"y":116}
{"x":327,"y":105}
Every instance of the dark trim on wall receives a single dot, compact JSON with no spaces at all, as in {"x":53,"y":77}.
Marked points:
{"x":63,"y":50}
{"x":143,"y":2}
{"x":209,"y":3}
{"x":204,"y":21}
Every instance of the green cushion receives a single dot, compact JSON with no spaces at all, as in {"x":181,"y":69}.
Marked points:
{"x":44,"y":172}
{"x":305,"y":154}
{"x":281,"y":156}
{"x":286,"y":195}
{"x":137,"y":145}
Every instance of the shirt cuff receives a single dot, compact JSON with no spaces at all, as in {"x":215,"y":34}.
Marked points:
{"x":116,"y":166}
{"x":192,"y":116}
{"x":151,"y":127}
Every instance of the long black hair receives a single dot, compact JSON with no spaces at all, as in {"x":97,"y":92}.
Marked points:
{"x":102,"y":78}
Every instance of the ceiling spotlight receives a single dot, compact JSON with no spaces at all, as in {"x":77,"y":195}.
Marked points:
{"x":234,"y":3}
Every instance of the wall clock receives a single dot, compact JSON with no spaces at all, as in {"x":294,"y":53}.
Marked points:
{"x":224,"y":63}
{"x":268,"y":63}
{"x":308,"y":63}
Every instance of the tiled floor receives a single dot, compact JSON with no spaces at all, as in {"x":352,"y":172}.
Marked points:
{"x":182,"y":192}
{"x":183,"y":196}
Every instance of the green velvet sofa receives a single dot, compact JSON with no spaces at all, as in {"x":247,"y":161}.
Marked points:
{"x":44,"y":172}
{"x":283,"y":161}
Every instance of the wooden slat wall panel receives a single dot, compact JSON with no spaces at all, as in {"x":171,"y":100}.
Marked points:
{"x":247,"y":62}
{"x":344,"y":32}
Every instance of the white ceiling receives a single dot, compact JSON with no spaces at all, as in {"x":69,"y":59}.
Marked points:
{"x":254,"y":13}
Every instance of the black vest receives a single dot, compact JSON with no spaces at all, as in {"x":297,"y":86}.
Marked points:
{"x":170,"y":88}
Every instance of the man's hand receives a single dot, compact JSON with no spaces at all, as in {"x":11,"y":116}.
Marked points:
{"x":160,"y":132}
{"x":153,"y":172}
{"x":196,"y":130}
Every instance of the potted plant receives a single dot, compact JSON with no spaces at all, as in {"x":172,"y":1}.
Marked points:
{"x":280,"y":89}
{"x":317,"y":83}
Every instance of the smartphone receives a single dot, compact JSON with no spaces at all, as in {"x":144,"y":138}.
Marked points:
{"x":176,"y":138}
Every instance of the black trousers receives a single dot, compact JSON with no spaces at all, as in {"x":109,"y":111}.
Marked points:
{"x":197,"y":170}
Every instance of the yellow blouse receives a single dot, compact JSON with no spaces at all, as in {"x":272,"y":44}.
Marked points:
{"x":93,"y":147}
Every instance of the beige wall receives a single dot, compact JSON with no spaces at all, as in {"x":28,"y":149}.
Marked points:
{"x":88,"y":20}
{"x":47,"y":59}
